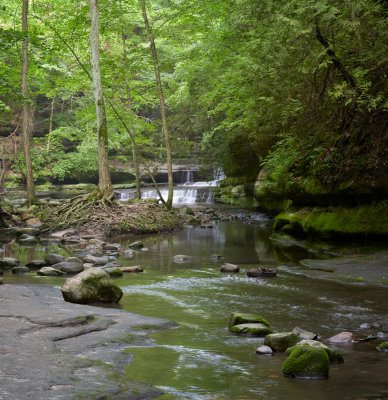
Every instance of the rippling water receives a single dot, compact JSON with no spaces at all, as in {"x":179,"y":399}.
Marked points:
{"x":200,"y":359}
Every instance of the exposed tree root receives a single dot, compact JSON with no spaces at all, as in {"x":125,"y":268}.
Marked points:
{"x":101,"y":215}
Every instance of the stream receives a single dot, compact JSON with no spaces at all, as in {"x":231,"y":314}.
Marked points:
{"x":200,"y":359}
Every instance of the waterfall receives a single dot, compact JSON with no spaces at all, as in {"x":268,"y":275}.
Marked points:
{"x":187,"y":192}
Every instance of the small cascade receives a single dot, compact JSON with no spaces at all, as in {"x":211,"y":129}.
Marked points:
{"x":187,"y":192}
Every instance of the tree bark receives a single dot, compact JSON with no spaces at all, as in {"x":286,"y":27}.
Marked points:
{"x":26,"y":123}
{"x":50,"y":123}
{"x":162,"y":106}
{"x":104,"y":179}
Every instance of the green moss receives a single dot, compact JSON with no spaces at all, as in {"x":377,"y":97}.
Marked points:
{"x":237,"y":318}
{"x":361,"y":221}
{"x":383,"y":347}
{"x":307,"y":362}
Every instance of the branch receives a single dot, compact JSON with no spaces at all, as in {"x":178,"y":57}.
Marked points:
{"x":336,"y":62}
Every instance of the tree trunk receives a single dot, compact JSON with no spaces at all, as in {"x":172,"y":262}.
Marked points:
{"x":129,"y":103}
{"x":104,"y":179}
{"x":162,"y":106}
{"x":50,"y":123}
{"x":26,"y":123}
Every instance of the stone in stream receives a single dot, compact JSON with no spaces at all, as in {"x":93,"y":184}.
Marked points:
{"x":9,"y":262}
{"x":112,"y":247}
{"x":342,"y":338}
{"x":261,"y":272}
{"x":281,"y":341}
{"x":216,"y":257}
{"x":251,"y":329}
{"x":36,"y":264}
{"x":27,"y":239}
{"x":91,"y":286}
{"x":136,"y":245}
{"x":74,"y":259}
{"x":112,"y":264}
{"x":69,"y":267}
{"x":20,"y":270}
{"x":304,"y":335}
{"x":52,"y":259}
{"x":181,"y":258}
{"x":335,"y":357}
{"x":94,"y":252}
{"x":383,"y":347}
{"x":113,"y":271}
{"x":230,"y":268}
{"x":50,"y":271}
{"x":264,"y":350}
{"x":129,"y":253}
{"x":237,"y":318}
{"x":307,"y":362}
{"x":29,"y":231}
{"x":135,"y":268}
{"x":95,"y":260}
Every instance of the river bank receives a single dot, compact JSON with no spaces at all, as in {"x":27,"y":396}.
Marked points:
{"x":52,"y":349}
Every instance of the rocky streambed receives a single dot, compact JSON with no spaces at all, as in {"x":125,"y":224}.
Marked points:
{"x":51,"y":349}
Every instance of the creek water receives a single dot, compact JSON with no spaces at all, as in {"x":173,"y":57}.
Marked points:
{"x":199,"y":358}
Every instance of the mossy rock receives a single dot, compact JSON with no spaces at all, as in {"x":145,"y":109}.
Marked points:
{"x":251,"y":329}
{"x":307,"y":362}
{"x":237,"y":318}
{"x":281,"y":341}
{"x":335,"y":357}
{"x":383,"y":347}
{"x":93,"y":285}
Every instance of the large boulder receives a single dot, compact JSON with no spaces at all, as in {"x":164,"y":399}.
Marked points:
{"x":91,"y":286}
{"x":237,"y":318}
{"x":251,"y":329}
{"x":307,"y":362}
{"x":281,"y":341}
{"x":335,"y":357}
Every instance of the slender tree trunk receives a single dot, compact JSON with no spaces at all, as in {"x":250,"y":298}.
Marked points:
{"x":162,"y":106}
{"x":129,"y":103}
{"x":51,"y":123}
{"x":26,"y":123}
{"x":104,"y":179}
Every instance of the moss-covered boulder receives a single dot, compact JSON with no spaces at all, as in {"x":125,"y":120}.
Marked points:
{"x":237,"y":318}
{"x":281,"y":341}
{"x":335,"y":357}
{"x":251,"y":329}
{"x":383,"y":347}
{"x":307,"y":362}
{"x":93,"y":285}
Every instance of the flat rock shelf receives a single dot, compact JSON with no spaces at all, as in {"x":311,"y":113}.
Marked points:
{"x":51,"y":349}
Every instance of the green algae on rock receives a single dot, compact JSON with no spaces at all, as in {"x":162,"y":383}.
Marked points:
{"x":307,"y":362}
{"x":93,"y":285}
{"x":335,"y":357}
{"x":237,"y":318}
{"x":383,"y":347}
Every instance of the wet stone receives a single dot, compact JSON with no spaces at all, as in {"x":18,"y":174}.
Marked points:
{"x":230,"y":268}
{"x":36,"y":264}
{"x":52,"y":259}
{"x":8,"y":263}
{"x":264,"y":350}
{"x":343,"y":337}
